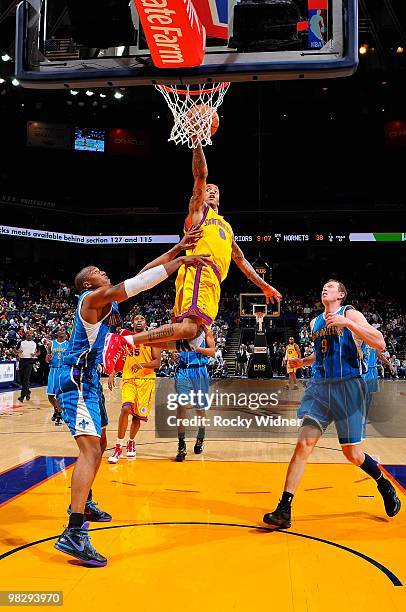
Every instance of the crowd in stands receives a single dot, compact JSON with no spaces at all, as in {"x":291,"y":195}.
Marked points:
{"x":43,"y":305}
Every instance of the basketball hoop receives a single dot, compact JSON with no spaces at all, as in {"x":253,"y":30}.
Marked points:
{"x":259,"y":316}
{"x":194,"y":111}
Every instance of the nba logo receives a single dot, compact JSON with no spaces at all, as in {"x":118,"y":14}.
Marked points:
{"x":317,"y":19}
{"x":214,"y":16}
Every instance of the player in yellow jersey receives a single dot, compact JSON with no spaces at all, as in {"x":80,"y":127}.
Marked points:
{"x":292,"y":351}
{"x":198,"y":288}
{"x":137,"y":391}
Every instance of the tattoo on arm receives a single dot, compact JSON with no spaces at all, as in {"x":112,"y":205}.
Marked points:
{"x":199,"y":166}
{"x":197,"y":198}
{"x":162,"y":332}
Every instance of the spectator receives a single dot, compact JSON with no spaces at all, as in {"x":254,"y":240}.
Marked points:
{"x":395,"y":363}
{"x":26,"y":351}
{"x":241,"y":360}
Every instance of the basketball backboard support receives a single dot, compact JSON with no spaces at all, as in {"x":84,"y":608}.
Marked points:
{"x":247,"y":40}
{"x":252,"y":303}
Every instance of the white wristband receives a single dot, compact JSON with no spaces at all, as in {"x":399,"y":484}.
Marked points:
{"x":145,"y":280}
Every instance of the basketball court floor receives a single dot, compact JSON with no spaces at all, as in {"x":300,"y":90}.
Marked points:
{"x":191,"y":534}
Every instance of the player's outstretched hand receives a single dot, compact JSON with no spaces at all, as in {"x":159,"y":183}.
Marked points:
{"x":335,"y":319}
{"x":190,"y":239}
{"x":195,"y":260}
{"x":271,"y":294}
{"x":111,"y":382}
{"x":295,"y":362}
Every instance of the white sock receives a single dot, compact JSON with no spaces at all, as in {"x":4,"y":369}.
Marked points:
{"x":131,"y":439}
{"x":120,"y":441}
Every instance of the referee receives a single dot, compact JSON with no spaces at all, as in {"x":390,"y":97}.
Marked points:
{"x":27,"y":351}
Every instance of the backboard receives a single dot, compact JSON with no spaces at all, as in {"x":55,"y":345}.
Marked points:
{"x":252,"y":303}
{"x":245,"y":40}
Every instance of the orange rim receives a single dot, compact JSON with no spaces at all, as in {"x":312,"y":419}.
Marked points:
{"x":196,"y":92}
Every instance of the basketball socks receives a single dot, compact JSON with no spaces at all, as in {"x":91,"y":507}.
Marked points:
{"x":181,"y":447}
{"x":281,"y":516}
{"x":201,"y":433}
{"x":286,"y":499}
{"x":76,"y":519}
{"x":120,"y":441}
{"x":371,"y":467}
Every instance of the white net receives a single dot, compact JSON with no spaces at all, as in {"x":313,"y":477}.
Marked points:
{"x":194,"y":111}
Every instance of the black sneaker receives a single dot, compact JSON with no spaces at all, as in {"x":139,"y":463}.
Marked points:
{"x":390,"y":499}
{"x":58,"y":421}
{"x":198,"y":448}
{"x":20,"y":399}
{"x":281,"y":517}
{"x":95,"y":514}
{"x":75,"y":542}
{"x":28,"y":395}
{"x":55,"y":416}
{"x":182,"y":452}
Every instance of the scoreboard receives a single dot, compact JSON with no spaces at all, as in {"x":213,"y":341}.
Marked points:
{"x":327,"y":238}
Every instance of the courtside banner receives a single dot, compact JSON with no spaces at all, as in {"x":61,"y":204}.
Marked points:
{"x":21,"y":232}
{"x":175,"y":35}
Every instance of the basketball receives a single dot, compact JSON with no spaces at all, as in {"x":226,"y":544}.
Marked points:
{"x":201,"y":112}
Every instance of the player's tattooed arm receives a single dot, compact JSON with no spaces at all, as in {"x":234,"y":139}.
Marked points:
{"x":199,"y":169}
{"x":247,"y":269}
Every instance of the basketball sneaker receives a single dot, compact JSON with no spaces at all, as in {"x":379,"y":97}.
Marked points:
{"x":95,"y":514}
{"x":55,"y":415}
{"x":390,"y":499}
{"x":118,"y":451}
{"x":28,"y":395}
{"x":182,"y":452}
{"x":130,"y":450}
{"x":58,"y":421}
{"x":280,"y":517}
{"x":75,"y":542}
{"x":198,"y":448}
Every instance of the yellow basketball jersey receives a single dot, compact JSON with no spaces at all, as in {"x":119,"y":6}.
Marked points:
{"x":141,"y":354}
{"x":216,"y":240}
{"x":291,"y":351}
